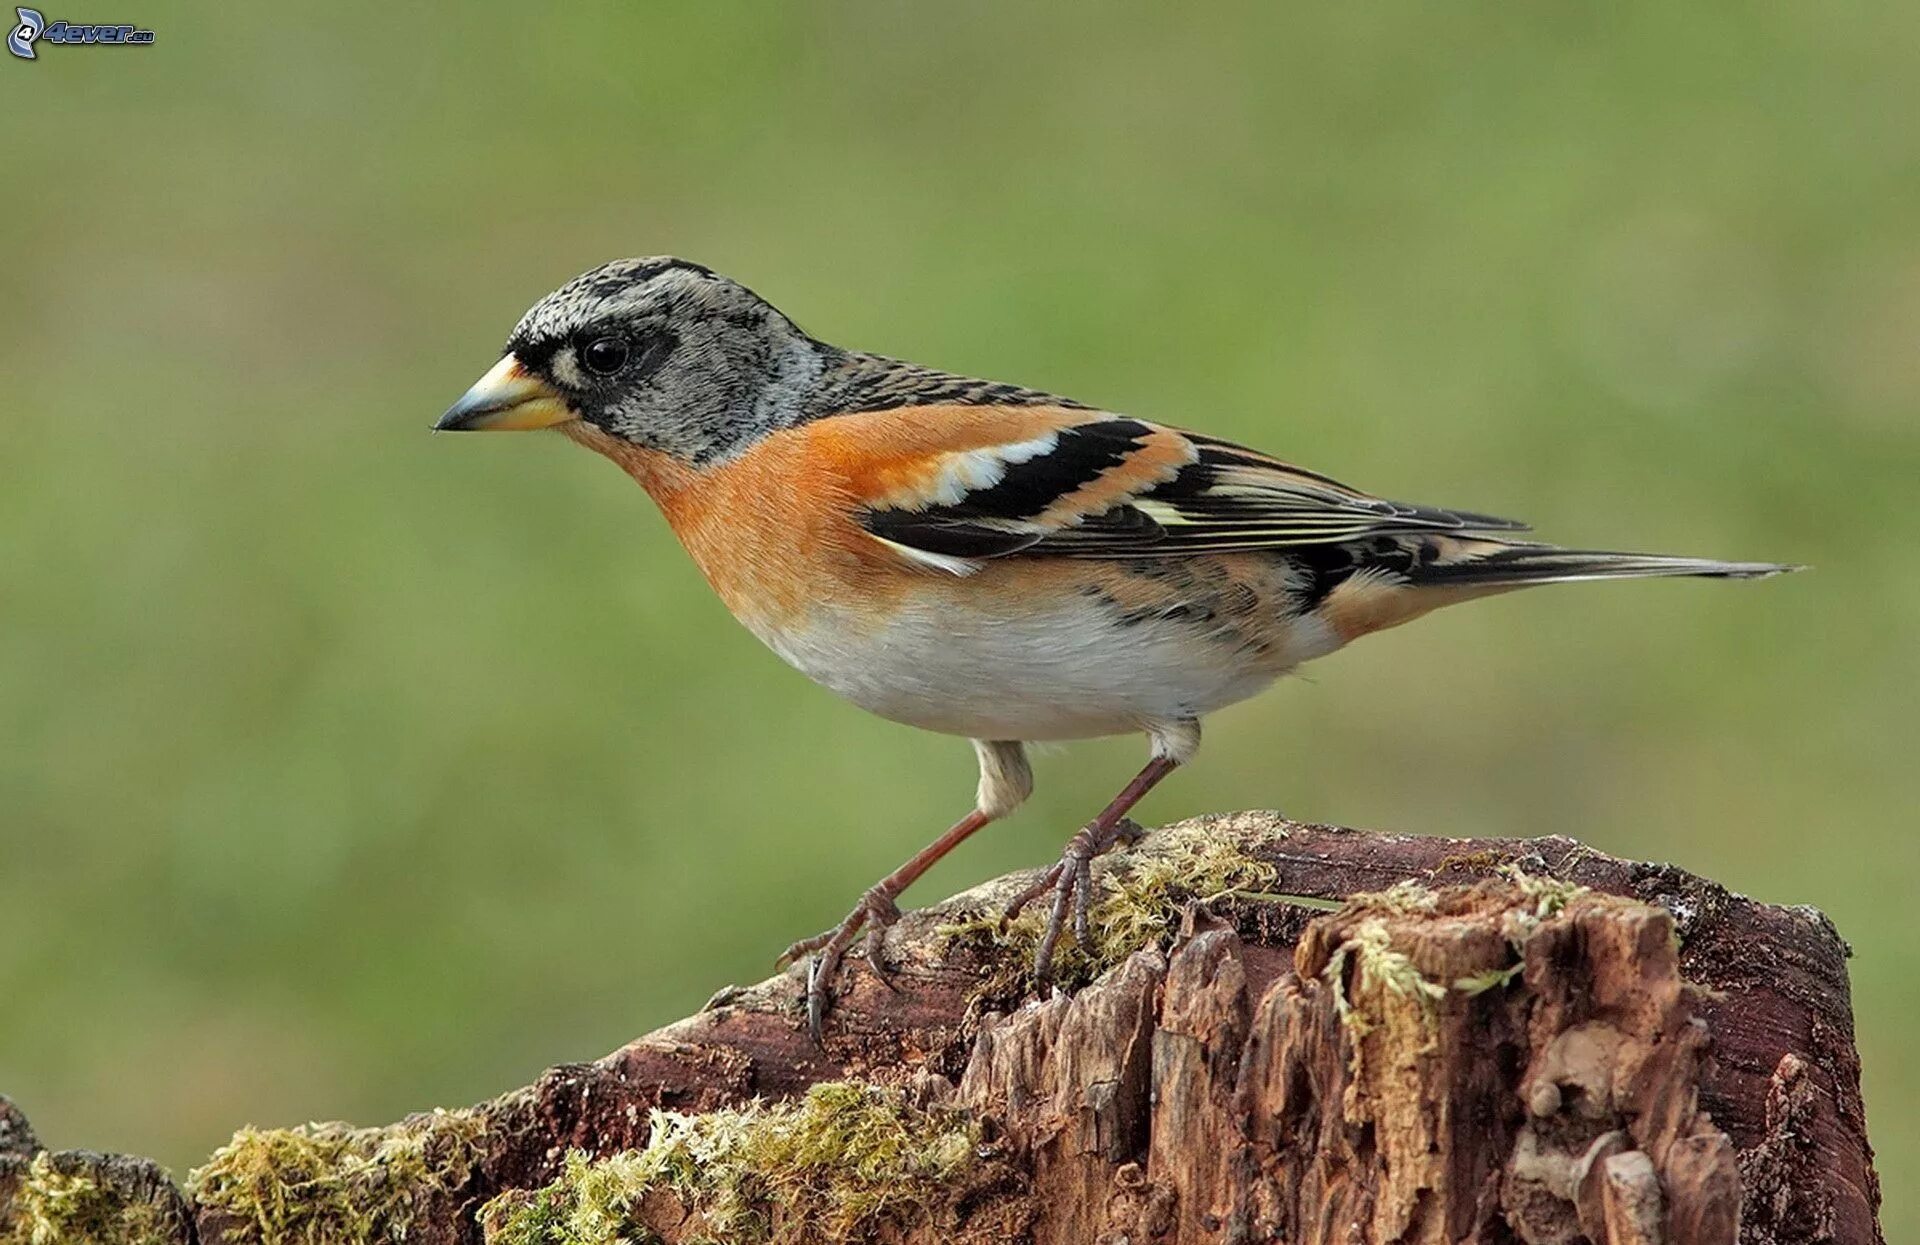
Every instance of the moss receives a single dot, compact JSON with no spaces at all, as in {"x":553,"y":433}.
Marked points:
{"x":1492,"y":979}
{"x":1549,"y":896}
{"x":1403,"y":898}
{"x":831,"y":1167}
{"x":52,"y":1207}
{"x":1376,"y":965}
{"x":327,"y":1183}
{"x":1545,"y":899}
{"x":1138,"y":896}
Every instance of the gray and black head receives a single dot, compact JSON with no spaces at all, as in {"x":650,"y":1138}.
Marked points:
{"x":658,"y":352}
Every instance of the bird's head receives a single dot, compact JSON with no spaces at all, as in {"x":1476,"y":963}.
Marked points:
{"x":658,"y":353}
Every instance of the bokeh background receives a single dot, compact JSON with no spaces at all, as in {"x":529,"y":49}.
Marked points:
{"x":345,"y":771}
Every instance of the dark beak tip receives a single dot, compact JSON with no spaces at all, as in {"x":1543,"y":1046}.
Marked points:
{"x":457,"y":418}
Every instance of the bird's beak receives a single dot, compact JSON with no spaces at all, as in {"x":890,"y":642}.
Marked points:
{"x":506,"y":399}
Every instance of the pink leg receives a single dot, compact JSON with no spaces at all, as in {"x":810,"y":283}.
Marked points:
{"x":876,"y":911}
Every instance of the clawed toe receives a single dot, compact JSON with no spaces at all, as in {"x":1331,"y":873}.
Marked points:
{"x":821,"y":970}
{"x":1018,"y":903}
{"x":882,"y":914}
{"x":875,"y":913}
{"x":801,"y":949}
{"x":1071,"y":882}
{"x":1072,"y":894}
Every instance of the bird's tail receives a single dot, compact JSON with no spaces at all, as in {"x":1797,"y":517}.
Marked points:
{"x":1426,"y":572}
{"x":1500,"y":564}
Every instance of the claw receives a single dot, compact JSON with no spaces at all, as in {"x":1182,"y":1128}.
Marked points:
{"x":874,"y":953}
{"x":882,"y":912}
{"x":875,"y":913}
{"x":796,"y":952}
{"x":1071,"y":881}
{"x":1056,"y":919}
{"x":1018,"y":903}
{"x":1082,"y":900}
{"x":820,"y":972}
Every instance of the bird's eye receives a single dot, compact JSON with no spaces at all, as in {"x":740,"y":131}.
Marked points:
{"x":604,"y":356}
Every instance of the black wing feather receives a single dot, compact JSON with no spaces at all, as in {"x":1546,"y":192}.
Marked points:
{"x":1231,"y":498}
{"x":997,"y":520}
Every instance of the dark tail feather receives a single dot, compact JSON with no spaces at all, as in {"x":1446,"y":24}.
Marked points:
{"x":1515,"y":565}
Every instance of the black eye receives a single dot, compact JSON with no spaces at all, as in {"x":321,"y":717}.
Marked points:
{"x":603,"y":356}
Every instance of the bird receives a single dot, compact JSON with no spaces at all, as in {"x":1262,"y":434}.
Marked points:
{"x":983,"y":559}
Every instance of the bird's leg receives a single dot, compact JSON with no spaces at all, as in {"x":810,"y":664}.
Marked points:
{"x":876,"y":911}
{"x":1071,"y":879}
{"x":1005,"y":780}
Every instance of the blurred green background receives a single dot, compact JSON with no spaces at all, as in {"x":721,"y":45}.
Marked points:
{"x":345,"y":770}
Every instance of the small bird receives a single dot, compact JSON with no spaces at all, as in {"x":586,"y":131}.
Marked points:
{"x":983,"y":559}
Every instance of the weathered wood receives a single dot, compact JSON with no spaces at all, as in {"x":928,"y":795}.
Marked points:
{"x":1484,"y":1055}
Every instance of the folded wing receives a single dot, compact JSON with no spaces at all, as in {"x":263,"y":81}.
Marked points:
{"x":1104,"y":486}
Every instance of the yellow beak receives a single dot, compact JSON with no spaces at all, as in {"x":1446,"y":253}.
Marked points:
{"x":507,"y":399}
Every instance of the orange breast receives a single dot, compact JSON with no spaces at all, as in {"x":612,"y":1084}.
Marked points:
{"x":776,"y":530}
{"x":772,"y":530}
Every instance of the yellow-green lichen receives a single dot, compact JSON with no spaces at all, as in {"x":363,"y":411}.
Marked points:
{"x":832,"y":1167}
{"x":323,"y":1184}
{"x":52,"y":1207}
{"x":1138,"y":896}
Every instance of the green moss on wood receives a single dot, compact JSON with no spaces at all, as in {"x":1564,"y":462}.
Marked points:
{"x":1377,"y":965}
{"x":53,"y":1207}
{"x":1404,"y":898}
{"x":831,"y":1167}
{"x":323,"y":1184}
{"x":1139,"y":894}
{"x":1492,"y":979}
{"x":1549,"y":896}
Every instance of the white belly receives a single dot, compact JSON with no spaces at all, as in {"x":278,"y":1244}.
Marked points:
{"x":1069,"y":674}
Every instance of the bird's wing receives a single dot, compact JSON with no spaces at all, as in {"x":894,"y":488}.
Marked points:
{"x":954,"y":485}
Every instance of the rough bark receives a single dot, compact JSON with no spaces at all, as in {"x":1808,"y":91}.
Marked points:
{"x":1488,"y":1040}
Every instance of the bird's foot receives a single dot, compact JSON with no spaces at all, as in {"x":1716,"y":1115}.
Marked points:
{"x":1071,"y":881}
{"x":875,"y":913}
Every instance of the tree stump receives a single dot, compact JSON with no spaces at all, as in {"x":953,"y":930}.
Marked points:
{"x":1279,"y":1032}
